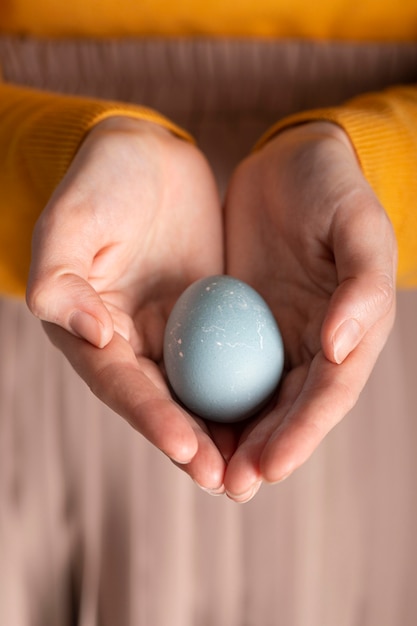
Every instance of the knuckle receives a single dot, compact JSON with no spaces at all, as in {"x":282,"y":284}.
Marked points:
{"x":348,"y":395}
{"x":384,"y":296}
{"x":36,"y":299}
{"x":101,"y":381}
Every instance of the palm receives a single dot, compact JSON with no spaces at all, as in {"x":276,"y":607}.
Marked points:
{"x":143,"y":213}
{"x":287,"y":236}
{"x":166,"y":235}
{"x":137,"y":218}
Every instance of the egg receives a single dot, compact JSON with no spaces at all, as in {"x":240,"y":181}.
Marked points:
{"x":223,"y":351}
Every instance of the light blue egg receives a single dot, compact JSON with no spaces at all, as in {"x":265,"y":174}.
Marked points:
{"x":223,"y":351}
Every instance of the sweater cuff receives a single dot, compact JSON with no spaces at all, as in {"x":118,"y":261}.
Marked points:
{"x":59,"y":124}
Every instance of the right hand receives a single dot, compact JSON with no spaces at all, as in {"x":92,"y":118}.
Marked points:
{"x":135,"y":220}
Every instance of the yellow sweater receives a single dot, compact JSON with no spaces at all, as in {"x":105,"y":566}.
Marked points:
{"x":40,"y":132}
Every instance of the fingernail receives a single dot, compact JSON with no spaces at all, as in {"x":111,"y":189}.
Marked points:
{"x":241,"y":498}
{"x":284,"y":477}
{"x":86,"y":326}
{"x":217,"y":491}
{"x":346,"y":339}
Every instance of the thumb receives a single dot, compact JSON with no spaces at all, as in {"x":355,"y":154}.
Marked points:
{"x":357,"y":305}
{"x":365,"y":254}
{"x":65,"y":298}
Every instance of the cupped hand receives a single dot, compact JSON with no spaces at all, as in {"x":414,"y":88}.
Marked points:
{"x":134,"y":221}
{"x":306,"y":230}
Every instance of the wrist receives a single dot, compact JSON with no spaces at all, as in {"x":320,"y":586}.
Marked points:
{"x":127,"y":124}
{"x":320,"y":129}
{"x":318,"y":134}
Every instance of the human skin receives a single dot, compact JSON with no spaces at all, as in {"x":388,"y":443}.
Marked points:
{"x":307,"y":231}
{"x":137,"y":218}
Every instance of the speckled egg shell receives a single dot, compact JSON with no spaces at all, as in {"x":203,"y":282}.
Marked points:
{"x":223,"y":351}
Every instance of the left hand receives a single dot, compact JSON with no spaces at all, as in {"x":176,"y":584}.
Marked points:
{"x":306,"y":230}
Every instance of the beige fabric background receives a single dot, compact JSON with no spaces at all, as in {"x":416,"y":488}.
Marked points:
{"x":97,"y":527}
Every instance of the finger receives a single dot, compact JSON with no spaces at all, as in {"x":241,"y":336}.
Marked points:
{"x":244,"y":474}
{"x":135,"y":389}
{"x":207,"y":467}
{"x":58,"y":290}
{"x":357,"y":305}
{"x":365,"y":257}
{"x":327,"y":396}
{"x":314,"y":398}
{"x":62,"y":297}
{"x":210,"y":477}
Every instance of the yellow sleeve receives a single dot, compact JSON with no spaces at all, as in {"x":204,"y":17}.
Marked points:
{"x":39,"y":134}
{"x":383,"y":129}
